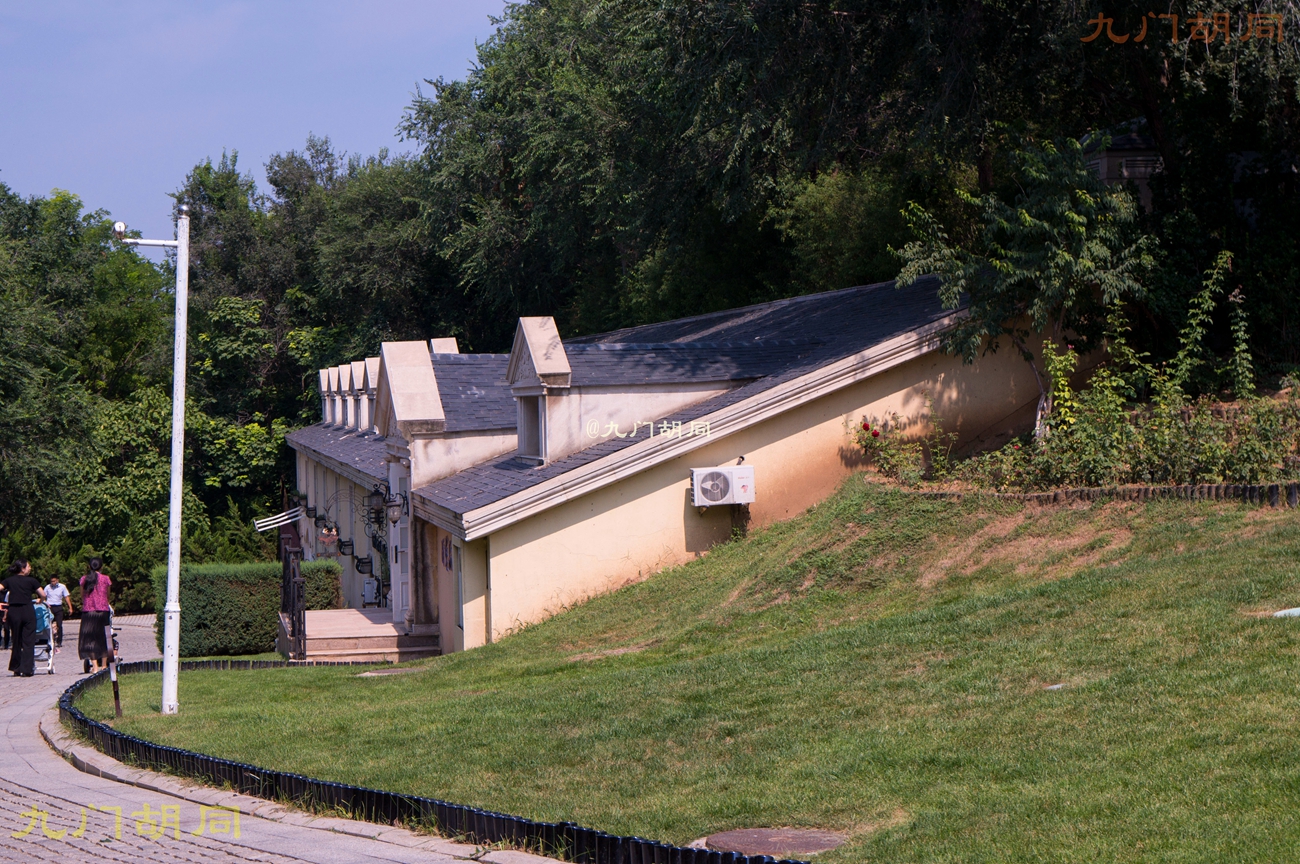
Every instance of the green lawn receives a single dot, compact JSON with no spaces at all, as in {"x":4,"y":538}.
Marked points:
{"x":876,"y":666}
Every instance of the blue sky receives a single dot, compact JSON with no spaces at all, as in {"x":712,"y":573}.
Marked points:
{"x":117,"y":101}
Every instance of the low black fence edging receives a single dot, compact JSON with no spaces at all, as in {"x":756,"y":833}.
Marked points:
{"x":1263,"y":494}
{"x":563,"y":840}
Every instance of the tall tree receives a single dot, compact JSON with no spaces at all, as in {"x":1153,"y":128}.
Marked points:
{"x":1049,"y":262}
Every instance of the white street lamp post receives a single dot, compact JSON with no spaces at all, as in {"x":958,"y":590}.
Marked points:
{"x":172,"y":610}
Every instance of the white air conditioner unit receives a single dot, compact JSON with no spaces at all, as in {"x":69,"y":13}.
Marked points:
{"x":726,"y":484}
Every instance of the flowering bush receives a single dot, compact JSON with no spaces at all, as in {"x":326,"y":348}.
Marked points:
{"x":906,"y":459}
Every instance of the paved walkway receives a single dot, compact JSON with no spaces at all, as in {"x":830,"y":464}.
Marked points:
{"x":50,"y":811}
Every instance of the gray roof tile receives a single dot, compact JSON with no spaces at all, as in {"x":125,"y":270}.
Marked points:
{"x":606,"y":364}
{"x":474,"y":392}
{"x":364,"y":452}
{"x":816,"y":330}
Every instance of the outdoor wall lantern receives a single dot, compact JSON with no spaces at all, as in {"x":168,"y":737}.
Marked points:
{"x":365,"y":566}
{"x":311,"y":512}
{"x":397,"y":507}
{"x":321,"y":522}
{"x":345,"y":547}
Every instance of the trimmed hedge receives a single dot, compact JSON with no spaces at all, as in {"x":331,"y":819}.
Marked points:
{"x":229,"y":609}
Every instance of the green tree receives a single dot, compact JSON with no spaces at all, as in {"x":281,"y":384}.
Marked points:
{"x":1047,"y":263}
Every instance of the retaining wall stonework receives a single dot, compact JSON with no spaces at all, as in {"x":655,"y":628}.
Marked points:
{"x":1266,"y":495}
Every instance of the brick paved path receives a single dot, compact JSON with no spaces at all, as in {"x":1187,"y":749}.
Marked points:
{"x":43,"y":798}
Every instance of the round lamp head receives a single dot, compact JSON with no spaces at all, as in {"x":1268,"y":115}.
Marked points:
{"x":394,"y":511}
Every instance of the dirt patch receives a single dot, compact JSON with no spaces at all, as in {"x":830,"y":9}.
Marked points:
{"x":783,"y":597}
{"x":1256,"y":613}
{"x":377,"y":673}
{"x":739,"y":590}
{"x":1030,"y":545}
{"x":1265,"y":613}
{"x":996,"y":530}
{"x":897,"y":818}
{"x":777,"y":842}
{"x":1259,"y":520}
{"x":609,"y":652}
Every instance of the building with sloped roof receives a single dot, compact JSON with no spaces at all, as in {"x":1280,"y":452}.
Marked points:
{"x":531,"y":481}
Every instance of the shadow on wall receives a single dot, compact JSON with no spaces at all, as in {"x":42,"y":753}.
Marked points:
{"x":984,"y":404}
{"x":851,"y":456}
{"x":704,"y":530}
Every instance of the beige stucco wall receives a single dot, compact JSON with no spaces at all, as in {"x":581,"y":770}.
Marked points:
{"x":477,"y":604}
{"x":435,"y":457}
{"x":646,"y":522}
{"x":569,"y":412}
{"x":443,"y":590}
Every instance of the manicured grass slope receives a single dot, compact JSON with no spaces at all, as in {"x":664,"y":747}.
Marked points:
{"x":876,"y":666}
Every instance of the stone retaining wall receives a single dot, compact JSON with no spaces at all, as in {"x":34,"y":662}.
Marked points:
{"x":1267,"y":495}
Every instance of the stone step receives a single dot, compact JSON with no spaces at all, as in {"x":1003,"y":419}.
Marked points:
{"x":374,"y":654}
{"x":389,"y":643}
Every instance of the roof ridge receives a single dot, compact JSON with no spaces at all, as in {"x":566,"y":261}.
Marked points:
{"x":456,"y":358}
{"x":770,"y":304}
{"x":656,"y":346}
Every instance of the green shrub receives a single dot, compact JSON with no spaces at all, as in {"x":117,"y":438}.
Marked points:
{"x":324,"y":586}
{"x":234,"y":608}
{"x":1100,"y":437}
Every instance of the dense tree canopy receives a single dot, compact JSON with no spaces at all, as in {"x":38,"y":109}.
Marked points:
{"x":613,"y":162}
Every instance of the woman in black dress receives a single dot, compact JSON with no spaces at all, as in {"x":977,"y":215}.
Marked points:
{"x":21,"y":585}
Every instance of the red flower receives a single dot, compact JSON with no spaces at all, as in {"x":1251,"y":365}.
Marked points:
{"x":866,"y":427}
{"x":875,"y":433}
{"x":1017,"y":446}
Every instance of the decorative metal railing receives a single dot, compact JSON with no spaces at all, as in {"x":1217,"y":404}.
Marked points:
{"x":293,"y":593}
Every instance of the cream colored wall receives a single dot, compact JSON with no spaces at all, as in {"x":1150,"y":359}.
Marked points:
{"x":478,"y":608}
{"x":646,"y":522}
{"x":449,"y":634}
{"x":436,"y":457}
{"x":568,"y":413}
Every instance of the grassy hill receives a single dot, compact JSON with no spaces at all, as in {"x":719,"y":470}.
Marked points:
{"x":878,"y":666}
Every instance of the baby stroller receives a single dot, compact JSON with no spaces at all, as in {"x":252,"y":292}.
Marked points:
{"x":44,"y":637}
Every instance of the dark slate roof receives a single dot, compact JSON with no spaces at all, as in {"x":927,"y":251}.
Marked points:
{"x":1126,"y":141}
{"x":364,"y":452}
{"x":475,"y":396}
{"x":607,"y":364}
{"x":842,"y":323}
{"x":1133,"y":141}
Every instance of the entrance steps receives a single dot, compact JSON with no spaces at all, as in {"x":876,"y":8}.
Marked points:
{"x":359,"y":635}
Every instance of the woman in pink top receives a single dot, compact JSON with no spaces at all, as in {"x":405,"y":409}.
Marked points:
{"x":96,"y":618}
